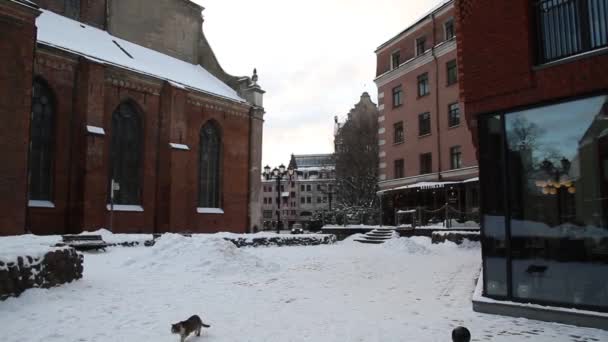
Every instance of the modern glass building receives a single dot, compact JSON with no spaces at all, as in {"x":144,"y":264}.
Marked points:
{"x":544,"y":188}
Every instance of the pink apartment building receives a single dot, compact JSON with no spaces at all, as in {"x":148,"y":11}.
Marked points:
{"x":427,"y":157}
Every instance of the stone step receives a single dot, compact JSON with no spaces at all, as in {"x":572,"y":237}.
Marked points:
{"x":379,"y":234}
{"x":378,"y":237}
{"x":370,"y":241}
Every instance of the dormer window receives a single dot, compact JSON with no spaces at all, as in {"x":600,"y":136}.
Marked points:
{"x":449,"y":29}
{"x":395,"y":60}
{"x":420,"y":46}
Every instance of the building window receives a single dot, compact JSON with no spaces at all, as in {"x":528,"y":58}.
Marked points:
{"x":453,"y":114}
{"x":398,"y":132}
{"x":292,"y":194}
{"x":423,"y":85}
{"x":397,"y":96}
{"x":455,"y":158}
{"x":309,"y":200}
{"x":210,"y":150}
{"x":40,"y":176}
{"x":545,"y":188}
{"x":395,"y":60}
{"x":567,"y":28}
{"x":309,"y":187}
{"x":319,"y":199}
{"x":426,"y":163}
{"x":424,"y":124}
{"x":452,"y":72}
{"x":126,"y":155}
{"x":268,"y":214}
{"x":420,"y":46}
{"x":449,"y":29}
{"x":302,"y":200}
{"x":399,"y":168}
{"x":318,"y":187}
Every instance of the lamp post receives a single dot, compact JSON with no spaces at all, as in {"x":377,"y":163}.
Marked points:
{"x":278,"y":175}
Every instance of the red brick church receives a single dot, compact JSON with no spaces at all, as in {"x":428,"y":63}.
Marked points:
{"x":116,"y":114}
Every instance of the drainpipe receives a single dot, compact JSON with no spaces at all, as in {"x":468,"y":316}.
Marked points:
{"x":437,"y":111}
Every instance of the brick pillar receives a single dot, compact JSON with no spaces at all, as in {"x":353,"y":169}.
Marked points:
{"x":17,"y":45}
{"x":89,"y":181}
{"x":172,"y":200}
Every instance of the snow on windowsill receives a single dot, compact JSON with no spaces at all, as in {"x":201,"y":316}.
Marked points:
{"x":209,"y":211}
{"x":128,"y":208}
{"x":179,"y":147}
{"x":40,"y":204}
{"x":96,"y":130}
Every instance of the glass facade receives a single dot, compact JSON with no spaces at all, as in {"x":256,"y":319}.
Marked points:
{"x":544,"y":182}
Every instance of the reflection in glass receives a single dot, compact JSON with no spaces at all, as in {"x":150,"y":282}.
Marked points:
{"x":558,"y":199}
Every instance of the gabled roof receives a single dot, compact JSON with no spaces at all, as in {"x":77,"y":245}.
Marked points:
{"x":69,"y":35}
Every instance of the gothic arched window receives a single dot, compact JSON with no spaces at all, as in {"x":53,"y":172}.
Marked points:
{"x":209,"y":170}
{"x":126,"y":154}
{"x":42,"y":131}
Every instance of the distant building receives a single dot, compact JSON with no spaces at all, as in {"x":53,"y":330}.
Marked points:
{"x":426,"y":153}
{"x":310,"y":190}
{"x":534,"y":80}
{"x":95,"y":93}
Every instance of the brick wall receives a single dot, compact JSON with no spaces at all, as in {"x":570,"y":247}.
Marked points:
{"x":87,"y":93}
{"x":17,"y":41}
{"x":496,"y":49}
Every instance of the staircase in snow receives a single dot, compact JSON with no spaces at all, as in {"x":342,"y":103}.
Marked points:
{"x":378,"y":236}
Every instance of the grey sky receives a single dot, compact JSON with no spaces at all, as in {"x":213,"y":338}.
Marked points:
{"x":314,"y":59}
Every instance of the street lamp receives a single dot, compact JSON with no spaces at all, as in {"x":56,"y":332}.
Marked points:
{"x":278,"y":175}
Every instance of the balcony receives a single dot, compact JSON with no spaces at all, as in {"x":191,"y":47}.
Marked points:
{"x":567,"y":28}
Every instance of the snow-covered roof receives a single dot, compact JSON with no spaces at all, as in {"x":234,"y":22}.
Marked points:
{"x":98,"y":45}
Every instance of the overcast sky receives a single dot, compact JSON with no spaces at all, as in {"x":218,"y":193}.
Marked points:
{"x":314,"y":59}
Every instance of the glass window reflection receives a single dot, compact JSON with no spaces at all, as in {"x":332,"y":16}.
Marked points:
{"x":557,"y":160}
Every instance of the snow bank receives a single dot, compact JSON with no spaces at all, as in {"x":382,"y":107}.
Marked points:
{"x":203,"y":254}
{"x":112,"y":238}
{"x":13,"y":247}
{"x":414,"y":245}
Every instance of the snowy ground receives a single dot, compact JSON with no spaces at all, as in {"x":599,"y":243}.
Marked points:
{"x":405,"y":290}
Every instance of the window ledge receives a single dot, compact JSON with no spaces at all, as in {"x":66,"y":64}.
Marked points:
{"x":455,"y":126}
{"x":126,"y":208}
{"x":40,"y":204}
{"x":570,"y":59}
{"x":399,"y":143}
{"x":448,"y":85}
{"x":424,"y":135}
{"x":422,"y":96}
{"x":217,"y":211}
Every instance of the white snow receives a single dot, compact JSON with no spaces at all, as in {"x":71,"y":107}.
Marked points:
{"x":404,"y":290}
{"x":112,"y":238}
{"x":40,"y":204}
{"x":179,"y":146}
{"x":123,"y":207}
{"x":12,"y":247}
{"x":98,"y":45}
{"x":95,"y":130}
{"x":209,"y":210}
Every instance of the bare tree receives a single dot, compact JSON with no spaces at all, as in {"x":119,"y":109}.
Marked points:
{"x":356,"y":155}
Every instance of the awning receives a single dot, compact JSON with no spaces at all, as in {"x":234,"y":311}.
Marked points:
{"x":285,"y":194}
{"x":428,"y":185}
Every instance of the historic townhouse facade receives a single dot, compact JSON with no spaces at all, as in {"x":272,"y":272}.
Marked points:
{"x":426,"y":151}
{"x":534,"y":80}
{"x":310,"y":190}
{"x":118,"y":115}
